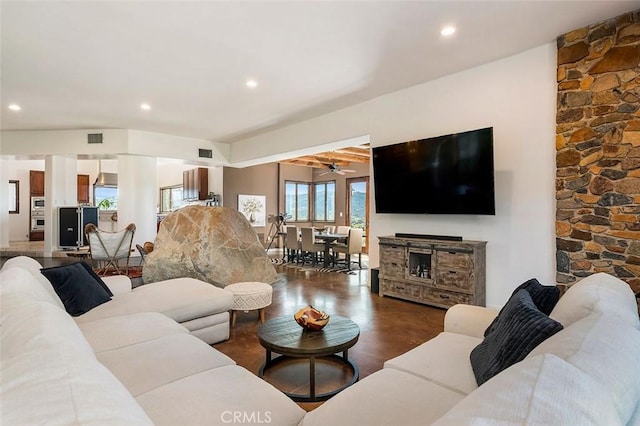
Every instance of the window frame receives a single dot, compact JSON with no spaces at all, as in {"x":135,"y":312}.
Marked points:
{"x":170,"y":188}
{"x":294,"y":216}
{"x":324,"y":218}
{"x":14,"y":196}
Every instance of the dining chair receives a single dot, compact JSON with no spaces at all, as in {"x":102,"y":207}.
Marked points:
{"x":107,"y":248}
{"x":309,"y":247}
{"x":292,"y":243}
{"x":144,"y":250}
{"x":343,"y":229}
{"x":352,"y":246}
{"x":331,"y":229}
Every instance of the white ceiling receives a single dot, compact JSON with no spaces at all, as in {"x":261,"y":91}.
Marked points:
{"x":79,"y":65}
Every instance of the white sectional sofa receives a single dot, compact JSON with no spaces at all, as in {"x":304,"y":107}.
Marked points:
{"x":586,"y":374}
{"x":124,"y":367}
{"x":119,"y":365}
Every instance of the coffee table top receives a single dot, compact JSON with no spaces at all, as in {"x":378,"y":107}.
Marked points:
{"x":284,"y":336}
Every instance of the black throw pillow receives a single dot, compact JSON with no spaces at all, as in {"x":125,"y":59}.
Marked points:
{"x":520,"y":327}
{"x":95,"y":276}
{"x":77,"y":289}
{"x":545,"y":298}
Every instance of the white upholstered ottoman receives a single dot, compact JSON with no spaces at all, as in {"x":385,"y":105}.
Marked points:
{"x":249,"y":296}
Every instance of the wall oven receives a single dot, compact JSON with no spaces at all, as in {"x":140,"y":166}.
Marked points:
{"x":37,"y":203}
{"x":37,"y":221}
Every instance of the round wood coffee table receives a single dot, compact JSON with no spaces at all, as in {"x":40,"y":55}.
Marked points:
{"x":284,"y":336}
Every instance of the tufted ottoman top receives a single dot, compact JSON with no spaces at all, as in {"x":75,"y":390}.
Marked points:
{"x":248,"y":296}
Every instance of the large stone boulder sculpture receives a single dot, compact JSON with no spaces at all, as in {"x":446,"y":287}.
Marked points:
{"x":212,"y":244}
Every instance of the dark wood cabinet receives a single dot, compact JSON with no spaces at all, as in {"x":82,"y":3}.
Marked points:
{"x":83,"y":189}
{"x":433,"y":272}
{"x":36,"y":183}
{"x":36,"y":189}
{"x":195,"y":184}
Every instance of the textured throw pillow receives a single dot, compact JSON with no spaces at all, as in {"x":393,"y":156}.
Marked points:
{"x":519,"y":328}
{"x":95,"y":276}
{"x":77,"y":289}
{"x":545,"y":298}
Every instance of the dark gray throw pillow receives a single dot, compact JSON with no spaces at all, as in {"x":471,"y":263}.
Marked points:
{"x":78,"y":290}
{"x":545,"y":298}
{"x":520,"y":327}
{"x":95,"y":276}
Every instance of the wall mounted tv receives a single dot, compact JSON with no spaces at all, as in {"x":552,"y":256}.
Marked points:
{"x":450,"y":174}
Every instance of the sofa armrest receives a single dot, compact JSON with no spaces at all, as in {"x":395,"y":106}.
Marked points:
{"x":468,"y":319}
{"x":118,"y":284}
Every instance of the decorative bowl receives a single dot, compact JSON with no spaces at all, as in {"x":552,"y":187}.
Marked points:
{"x":311,"y":319}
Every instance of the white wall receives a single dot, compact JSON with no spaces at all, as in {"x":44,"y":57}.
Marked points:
{"x":516,"y":96}
{"x":19,"y":223}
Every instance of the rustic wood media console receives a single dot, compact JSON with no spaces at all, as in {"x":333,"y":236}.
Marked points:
{"x":434,"y":272}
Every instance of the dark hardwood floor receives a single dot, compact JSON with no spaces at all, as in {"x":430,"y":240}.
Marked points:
{"x":388,"y":327}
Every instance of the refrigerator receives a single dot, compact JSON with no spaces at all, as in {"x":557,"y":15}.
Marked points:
{"x":71,"y":223}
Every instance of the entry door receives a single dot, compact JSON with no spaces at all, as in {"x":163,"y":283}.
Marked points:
{"x":358,"y":206}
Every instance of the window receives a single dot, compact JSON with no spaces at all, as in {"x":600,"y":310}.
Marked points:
{"x":324,"y":199}
{"x":171,"y":198}
{"x":105,"y":197}
{"x":14,"y":197}
{"x":296,"y":200}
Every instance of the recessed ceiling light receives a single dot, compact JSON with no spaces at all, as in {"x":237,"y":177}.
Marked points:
{"x":448,"y":30}
{"x":15,"y":107}
{"x":145,"y":106}
{"x":252,"y":84}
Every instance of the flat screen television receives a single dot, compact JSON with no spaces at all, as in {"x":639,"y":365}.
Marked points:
{"x":451,"y":174}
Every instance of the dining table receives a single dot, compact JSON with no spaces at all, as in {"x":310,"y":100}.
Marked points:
{"x":327,"y":239}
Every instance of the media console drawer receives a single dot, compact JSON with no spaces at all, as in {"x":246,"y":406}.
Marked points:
{"x":454,"y":260}
{"x":400,"y":289}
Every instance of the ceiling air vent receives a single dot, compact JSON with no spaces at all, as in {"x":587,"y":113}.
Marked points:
{"x":205,"y":153}
{"x":94,"y":138}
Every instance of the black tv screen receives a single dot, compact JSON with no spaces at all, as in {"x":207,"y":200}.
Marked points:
{"x":450,"y":174}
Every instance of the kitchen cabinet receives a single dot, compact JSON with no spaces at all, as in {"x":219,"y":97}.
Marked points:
{"x":83,"y":189}
{"x":36,"y":183}
{"x":195,"y":184}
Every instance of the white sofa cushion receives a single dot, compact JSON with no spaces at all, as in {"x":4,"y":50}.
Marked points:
{"x":115,"y":332}
{"x":596,"y":293}
{"x":31,"y":326}
{"x":607,"y":350}
{"x":443,"y":360}
{"x":49,"y":372}
{"x":118,"y":284}
{"x":216,"y":396}
{"x":19,"y":280}
{"x":181,"y":299}
{"x":542,"y":390}
{"x":388,"y":397}
{"x":27,"y":264}
{"x":148,"y":365}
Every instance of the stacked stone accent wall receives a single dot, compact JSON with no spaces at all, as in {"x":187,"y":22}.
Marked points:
{"x":598,"y":151}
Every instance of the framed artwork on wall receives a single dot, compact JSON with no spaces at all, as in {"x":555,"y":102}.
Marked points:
{"x":253,"y":207}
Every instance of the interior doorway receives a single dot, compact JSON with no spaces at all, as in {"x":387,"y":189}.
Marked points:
{"x":358,"y":206}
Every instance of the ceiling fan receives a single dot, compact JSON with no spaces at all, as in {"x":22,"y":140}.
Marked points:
{"x":334,"y":168}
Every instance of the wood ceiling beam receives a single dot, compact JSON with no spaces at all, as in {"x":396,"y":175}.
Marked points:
{"x":342,"y":157}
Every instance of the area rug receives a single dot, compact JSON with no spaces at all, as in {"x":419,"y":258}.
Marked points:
{"x":134,"y":272}
{"x":287,"y":264}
